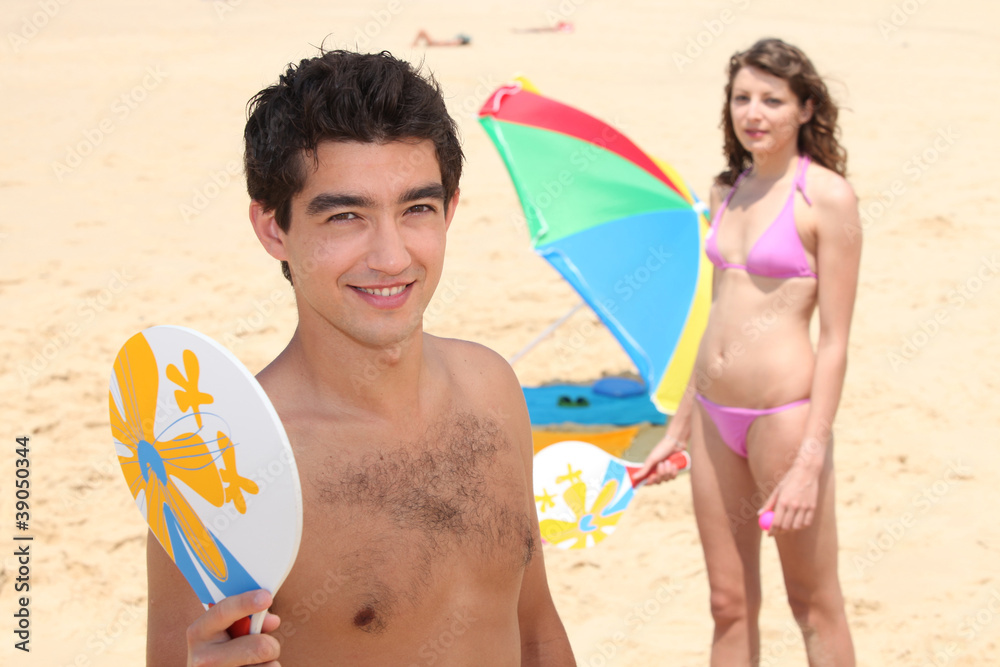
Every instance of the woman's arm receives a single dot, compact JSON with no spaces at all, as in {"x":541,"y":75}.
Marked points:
{"x":838,"y":258}
{"x":679,"y":427}
{"x":674,"y":440}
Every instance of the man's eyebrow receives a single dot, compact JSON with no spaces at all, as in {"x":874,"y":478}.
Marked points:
{"x":429,"y":191}
{"x":329,"y":200}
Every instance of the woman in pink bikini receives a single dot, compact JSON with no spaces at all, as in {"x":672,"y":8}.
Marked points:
{"x":785,"y":240}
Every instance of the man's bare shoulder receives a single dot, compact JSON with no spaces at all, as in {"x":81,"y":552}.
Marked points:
{"x":485,"y":379}
{"x":474,"y":363}
{"x":275,"y":373}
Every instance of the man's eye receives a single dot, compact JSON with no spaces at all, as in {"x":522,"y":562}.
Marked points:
{"x":343,"y":216}
{"x":422,"y":208}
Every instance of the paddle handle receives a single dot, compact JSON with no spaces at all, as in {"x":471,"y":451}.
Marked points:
{"x":257,"y":622}
{"x":251,"y":625}
{"x":680,"y":459}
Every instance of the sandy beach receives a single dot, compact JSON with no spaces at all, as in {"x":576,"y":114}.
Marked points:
{"x":124,"y":206}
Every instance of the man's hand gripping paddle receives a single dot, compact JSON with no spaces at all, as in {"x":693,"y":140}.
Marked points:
{"x":581,"y":491}
{"x":208,"y":463}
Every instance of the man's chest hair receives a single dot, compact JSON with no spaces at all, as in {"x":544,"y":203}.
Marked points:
{"x":460,"y":482}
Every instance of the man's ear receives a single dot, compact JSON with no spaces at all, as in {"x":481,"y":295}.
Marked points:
{"x":452,"y":205}
{"x":269,"y":233}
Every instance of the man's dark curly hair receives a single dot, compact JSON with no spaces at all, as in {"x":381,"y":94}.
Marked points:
{"x":340,"y":96}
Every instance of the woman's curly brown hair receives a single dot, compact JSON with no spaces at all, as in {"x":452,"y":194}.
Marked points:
{"x":817,"y":137}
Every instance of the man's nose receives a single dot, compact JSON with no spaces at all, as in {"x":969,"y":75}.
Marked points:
{"x":388,"y":253}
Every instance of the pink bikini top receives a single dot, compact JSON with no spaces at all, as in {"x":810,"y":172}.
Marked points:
{"x":778,"y":253}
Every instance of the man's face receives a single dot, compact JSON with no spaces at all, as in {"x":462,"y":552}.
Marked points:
{"x":367,"y":239}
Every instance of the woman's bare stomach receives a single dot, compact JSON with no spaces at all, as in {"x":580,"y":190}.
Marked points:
{"x":756,"y":351}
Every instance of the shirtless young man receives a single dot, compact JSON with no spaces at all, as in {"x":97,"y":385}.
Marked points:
{"x":420,"y":541}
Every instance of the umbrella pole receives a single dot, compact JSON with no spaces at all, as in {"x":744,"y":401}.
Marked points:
{"x":545,"y":334}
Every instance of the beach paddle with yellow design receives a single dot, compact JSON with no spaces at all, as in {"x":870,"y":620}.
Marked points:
{"x":581,"y":491}
{"x":207,"y":461}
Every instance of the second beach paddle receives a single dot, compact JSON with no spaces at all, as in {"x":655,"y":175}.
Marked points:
{"x":581,"y":491}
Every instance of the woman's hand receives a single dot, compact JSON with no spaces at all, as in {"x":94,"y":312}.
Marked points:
{"x":657,"y":465}
{"x":794,"y":499}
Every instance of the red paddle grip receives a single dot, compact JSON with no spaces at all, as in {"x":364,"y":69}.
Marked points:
{"x":239,"y":628}
{"x":682,"y":460}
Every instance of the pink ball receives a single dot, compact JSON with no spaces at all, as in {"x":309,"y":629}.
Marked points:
{"x":765,"y":520}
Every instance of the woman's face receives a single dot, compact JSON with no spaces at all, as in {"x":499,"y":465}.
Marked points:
{"x":766,"y":113}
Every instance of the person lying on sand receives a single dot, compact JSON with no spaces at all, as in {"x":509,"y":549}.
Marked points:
{"x":459,"y":40}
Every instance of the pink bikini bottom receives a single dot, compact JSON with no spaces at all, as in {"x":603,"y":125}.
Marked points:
{"x":733,"y":423}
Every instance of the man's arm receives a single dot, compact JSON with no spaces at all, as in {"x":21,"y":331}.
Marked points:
{"x":173,"y":606}
{"x":543,"y":637}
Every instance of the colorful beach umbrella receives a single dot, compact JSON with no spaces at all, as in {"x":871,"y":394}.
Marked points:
{"x":619,"y":225}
